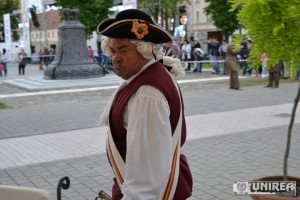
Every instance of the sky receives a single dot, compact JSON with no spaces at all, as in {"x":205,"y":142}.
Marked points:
{"x":37,"y":3}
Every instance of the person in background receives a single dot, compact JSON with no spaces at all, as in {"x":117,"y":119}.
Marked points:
{"x":199,"y":56}
{"x":191,"y":37}
{"x":173,"y":50}
{"x":4,"y":61}
{"x":244,"y":54}
{"x":186,"y":51}
{"x":91,"y":53}
{"x":262,"y":70}
{"x":196,"y":43}
{"x":274,"y":75}
{"x":41,"y":60}
{"x":52,"y":54}
{"x":22,"y":61}
{"x":46,"y":56}
{"x":282,"y":72}
{"x":213,"y":49}
{"x":249,"y":45}
{"x":145,"y":118}
{"x":223,"y":51}
{"x":233,"y":66}
{"x":1,"y":66}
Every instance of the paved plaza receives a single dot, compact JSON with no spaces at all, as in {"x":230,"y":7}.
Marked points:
{"x":233,"y":135}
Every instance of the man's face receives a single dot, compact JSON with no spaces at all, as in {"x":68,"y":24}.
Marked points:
{"x":126,"y":60}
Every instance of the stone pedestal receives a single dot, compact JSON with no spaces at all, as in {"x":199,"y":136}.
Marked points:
{"x":72,"y":60}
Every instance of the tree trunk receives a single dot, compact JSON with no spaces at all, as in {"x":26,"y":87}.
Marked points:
{"x":289,"y":136}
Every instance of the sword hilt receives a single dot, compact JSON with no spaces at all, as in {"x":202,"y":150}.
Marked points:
{"x":103,"y":195}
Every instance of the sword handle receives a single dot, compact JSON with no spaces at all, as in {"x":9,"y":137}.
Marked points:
{"x":104,"y":196}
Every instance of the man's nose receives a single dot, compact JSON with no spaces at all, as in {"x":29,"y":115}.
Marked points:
{"x":116,"y":58}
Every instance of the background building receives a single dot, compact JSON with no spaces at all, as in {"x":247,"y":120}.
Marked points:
{"x":200,"y":24}
{"x":46,"y":35}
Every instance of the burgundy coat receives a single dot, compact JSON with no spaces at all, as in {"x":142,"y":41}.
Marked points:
{"x":156,"y":76}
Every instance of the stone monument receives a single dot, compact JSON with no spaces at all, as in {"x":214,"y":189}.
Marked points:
{"x":72,"y":60}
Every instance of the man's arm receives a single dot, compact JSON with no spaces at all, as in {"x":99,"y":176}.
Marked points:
{"x":149,"y":145}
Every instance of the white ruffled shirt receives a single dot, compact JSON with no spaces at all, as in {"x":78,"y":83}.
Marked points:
{"x":149,"y":141}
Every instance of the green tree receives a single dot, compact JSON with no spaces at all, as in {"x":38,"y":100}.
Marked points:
{"x":167,"y":8}
{"x":92,"y":12}
{"x":7,"y":6}
{"x":226,"y":21}
{"x":274,"y":28}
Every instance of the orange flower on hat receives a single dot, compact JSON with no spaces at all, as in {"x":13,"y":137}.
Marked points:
{"x":139,"y":29}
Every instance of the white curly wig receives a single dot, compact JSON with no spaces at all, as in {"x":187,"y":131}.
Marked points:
{"x":146,"y":49}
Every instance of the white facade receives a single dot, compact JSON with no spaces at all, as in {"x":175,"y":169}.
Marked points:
{"x":199,"y":23}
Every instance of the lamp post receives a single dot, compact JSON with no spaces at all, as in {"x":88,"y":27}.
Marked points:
{"x":44,"y":24}
{"x":25,"y":39}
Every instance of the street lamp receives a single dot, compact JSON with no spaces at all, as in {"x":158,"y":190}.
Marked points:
{"x":183,"y":20}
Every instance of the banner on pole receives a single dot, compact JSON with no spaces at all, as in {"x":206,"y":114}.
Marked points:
{"x":7,"y":34}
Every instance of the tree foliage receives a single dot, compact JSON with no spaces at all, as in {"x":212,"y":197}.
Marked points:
{"x":92,"y":12}
{"x":168,"y":9}
{"x":226,"y":21}
{"x":7,"y":6}
{"x":274,"y":27}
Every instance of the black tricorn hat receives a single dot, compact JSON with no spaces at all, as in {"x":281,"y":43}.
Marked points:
{"x":134,"y":24}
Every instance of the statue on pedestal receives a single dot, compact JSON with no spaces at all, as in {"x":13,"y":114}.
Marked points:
{"x":72,"y":60}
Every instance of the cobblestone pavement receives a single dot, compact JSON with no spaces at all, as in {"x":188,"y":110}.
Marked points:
{"x":233,"y":146}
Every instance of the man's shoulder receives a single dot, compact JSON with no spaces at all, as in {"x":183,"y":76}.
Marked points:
{"x":155,"y":74}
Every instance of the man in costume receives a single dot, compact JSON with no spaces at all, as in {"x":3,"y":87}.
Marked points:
{"x":233,"y":66}
{"x":274,"y":75}
{"x":145,"y":115}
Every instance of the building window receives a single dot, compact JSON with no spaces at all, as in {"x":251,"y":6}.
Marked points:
{"x":197,"y":17}
{"x":208,"y":19}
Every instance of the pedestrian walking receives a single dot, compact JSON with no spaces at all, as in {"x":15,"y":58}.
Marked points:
{"x":145,"y":115}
